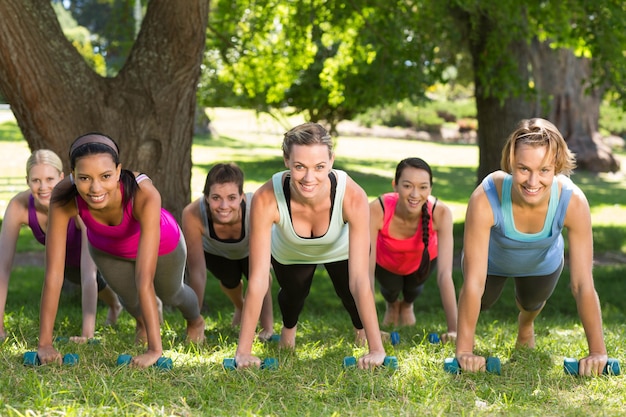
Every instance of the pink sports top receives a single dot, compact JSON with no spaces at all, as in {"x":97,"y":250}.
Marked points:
{"x":74,"y":238}
{"x":402,"y":256}
{"x":123,"y":239}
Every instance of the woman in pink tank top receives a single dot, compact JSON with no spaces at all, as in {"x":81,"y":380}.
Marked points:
{"x":118,"y":209}
{"x":411,"y":235}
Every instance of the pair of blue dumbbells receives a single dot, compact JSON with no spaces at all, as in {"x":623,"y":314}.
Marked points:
{"x":268,"y":363}
{"x":395,"y":338}
{"x":32,"y":359}
{"x":390,"y":362}
{"x":570,"y":366}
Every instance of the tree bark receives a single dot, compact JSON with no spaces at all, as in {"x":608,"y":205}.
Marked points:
{"x":567,"y":99}
{"x":148,"y":108}
{"x":497,"y":116}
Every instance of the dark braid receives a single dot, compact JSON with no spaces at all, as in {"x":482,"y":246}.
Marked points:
{"x":425,"y":264}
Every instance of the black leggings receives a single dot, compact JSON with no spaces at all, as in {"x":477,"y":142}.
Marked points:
{"x":411,"y":285}
{"x":228,"y":271}
{"x":530,"y":292}
{"x":295,"y":283}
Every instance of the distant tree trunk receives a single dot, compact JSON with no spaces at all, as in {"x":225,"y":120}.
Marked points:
{"x":148,"y":108}
{"x":497,"y":117}
{"x":566,"y":99}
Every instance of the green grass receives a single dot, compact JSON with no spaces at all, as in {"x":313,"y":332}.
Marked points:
{"x":311,"y":380}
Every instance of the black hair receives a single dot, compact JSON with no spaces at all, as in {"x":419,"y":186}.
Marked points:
{"x":98,"y":146}
{"x":419,"y":163}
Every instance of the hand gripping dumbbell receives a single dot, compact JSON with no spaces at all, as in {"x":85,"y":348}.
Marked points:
{"x":570,"y":366}
{"x":390,"y":362}
{"x":267,"y":363}
{"x":32,"y":359}
{"x":451,"y":365}
{"x":161,"y":363}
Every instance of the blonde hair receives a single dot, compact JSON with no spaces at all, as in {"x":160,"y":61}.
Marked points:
{"x":43,"y":157}
{"x":539,"y":132}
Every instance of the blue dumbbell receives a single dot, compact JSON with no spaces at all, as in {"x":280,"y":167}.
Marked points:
{"x":570,"y":366}
{"x":395,"y":338}
{"x":451,"y":365}
{"x":161,"y":363}
{"x":433,"y":338}
{"x":390,"y":362}
{"x":275,"y":338}
{"x":32,"y":359}
{"x":267,"y":363}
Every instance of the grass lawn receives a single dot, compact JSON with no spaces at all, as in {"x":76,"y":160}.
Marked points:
{"x":311,"y":381}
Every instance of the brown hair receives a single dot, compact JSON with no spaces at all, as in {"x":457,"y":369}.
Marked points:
{"x":223,"y":173}
{"x":307,"y":134}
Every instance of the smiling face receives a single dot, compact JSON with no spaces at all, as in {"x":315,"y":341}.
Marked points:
{"x":41,"y":180}
{"x":97,"y":180}
{"x":533,"y":174}
{"x":224,"y":201}
{"x":309,"y":166}
{"x":413,"y":188}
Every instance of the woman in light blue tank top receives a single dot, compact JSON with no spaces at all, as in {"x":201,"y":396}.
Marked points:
{"x":513,"y":229}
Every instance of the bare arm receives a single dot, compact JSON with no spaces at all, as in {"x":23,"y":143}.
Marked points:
{"x":147,"y":210}
{"x":354,"y":206}
{"x":89,"y":286}
{"x":192,"y":229}
{"x":376,"y":223}
{"x":56,"y":238}
{"x":443,"y":224}
{"x":580,"y":239}
{"x":478,"y":222}
{"x":263,"y":214}
{"x":15,"y":216}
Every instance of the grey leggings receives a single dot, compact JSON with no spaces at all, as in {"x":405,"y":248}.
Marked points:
{"x":530,"y":292}
{"x":119,"y":273}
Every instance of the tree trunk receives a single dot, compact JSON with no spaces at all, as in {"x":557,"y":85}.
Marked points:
{"x":148,"y":108}
{"x":497,"y":116}
{"x":567,"y":100}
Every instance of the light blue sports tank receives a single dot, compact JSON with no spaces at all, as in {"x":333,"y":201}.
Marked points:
{"x":516,"y":254}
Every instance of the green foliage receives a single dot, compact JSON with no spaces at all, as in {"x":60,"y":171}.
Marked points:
{"x":612,"y":119}
{"x":428,"y":115}
{"x":80,"y":38}
{"x":111,"y":24}
{"x":326,"y":58}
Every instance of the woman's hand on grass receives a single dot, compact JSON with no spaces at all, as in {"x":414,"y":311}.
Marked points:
{"x":372,"y":360}
{"x":592,"y":365}
{"x":48,"y":354}
{"x":471,"y":363}
{"x":247,"y":361}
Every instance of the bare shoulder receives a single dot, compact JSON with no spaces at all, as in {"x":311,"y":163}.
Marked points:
{"x":191,"y":211}
{"x":442,"y":212}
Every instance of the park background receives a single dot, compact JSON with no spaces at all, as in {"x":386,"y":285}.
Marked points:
{"x":403,"y":113}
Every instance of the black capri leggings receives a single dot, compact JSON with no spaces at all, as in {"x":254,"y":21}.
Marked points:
{"x":295,"y":283}
{"x":227,"y":271}
{"x":411,"y":285}
{"x":530,"y":292}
